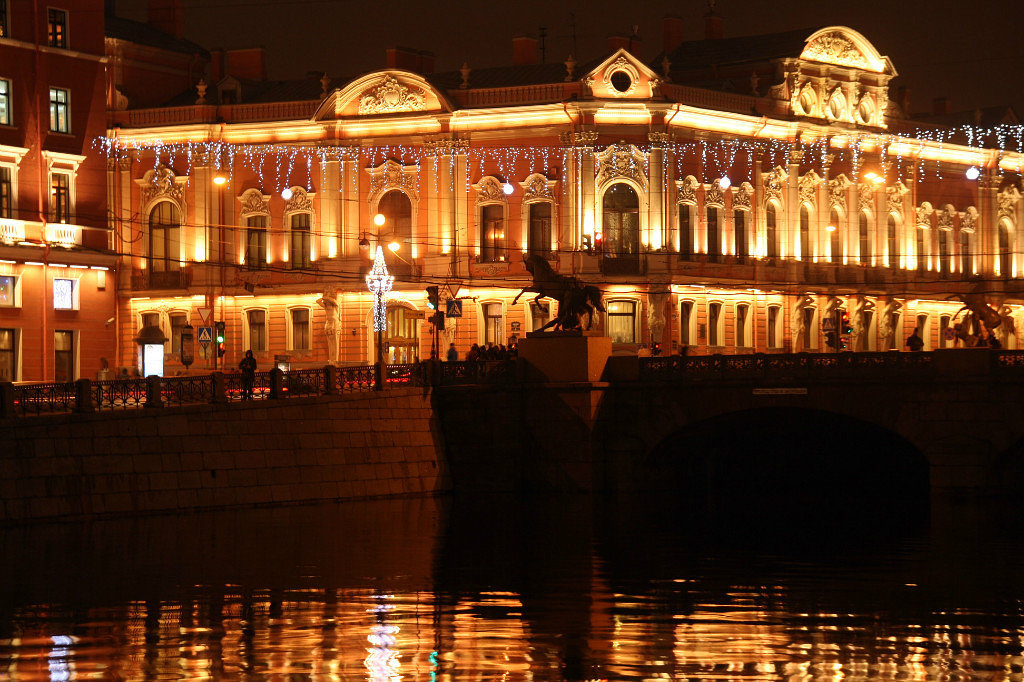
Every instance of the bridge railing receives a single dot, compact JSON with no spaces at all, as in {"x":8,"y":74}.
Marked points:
{"x":787,"y":365}
{"x":84,"y":395}
{"x":477,"y":372}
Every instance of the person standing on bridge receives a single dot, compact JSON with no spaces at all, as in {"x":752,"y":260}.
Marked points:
{"x":453,"y":355}
{"x":914,"y":341}
{"x":248,"y":367}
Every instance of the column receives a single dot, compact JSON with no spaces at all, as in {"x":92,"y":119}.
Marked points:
{"x":791,"y":234}
{"x":656,"y":225}
{"x":331,"y":200}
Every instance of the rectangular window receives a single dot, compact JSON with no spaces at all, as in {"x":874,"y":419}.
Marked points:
{"x":60,"y":120}
{"x":257,"y":330}
{"x":686,"y":323}
{"x":60,"y":198}
{"x":8,"y":355}
{"x":685,"y":232}
{"x":714,"y":319}
{"x":300,"y":329}
{"x":57,"y":28}
{"x":256,"y":242}
{"x":151,"y":320}
{"x":540,"y":228}
{"x":6,"y":193}
{"x":5,"y":26}
{"x":494,"y":324}
{"x":773,"y":327}
{"x":742,"y":324}
{"x":492,"y":244}
{"x":63,"y":355}
{"x":5,"y":100}
{"x":65,"y":294}
{"x":740,"y":221}
{"x":622,"y":321}
{"x":8,"y":291}
{"x":300,"y":246}
{"x":540,"y":314}
{"x":178,"y":322}
{"x":714,"y":237}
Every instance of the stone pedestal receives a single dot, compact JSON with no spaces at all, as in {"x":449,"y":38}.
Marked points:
{"x":565,"y":357}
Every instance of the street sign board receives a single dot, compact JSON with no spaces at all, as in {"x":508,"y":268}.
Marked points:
{"x":453,"y":308}
{"x":204,"y":314}
{"x":828,"y":324}
{"x":205,"y":335}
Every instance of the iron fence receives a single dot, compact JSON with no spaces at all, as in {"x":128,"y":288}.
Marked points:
{"x":238,"y":387}
{"x":361,"y":378}
{"x":795,"y":365}
{"x":303,"y":382}
{"x":187,"y":390}
{"x":115,"y":394}
{"x":39,"y":398}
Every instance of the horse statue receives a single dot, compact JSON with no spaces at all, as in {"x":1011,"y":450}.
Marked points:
{"x":575,"y":299}
{"x":980,"y":320}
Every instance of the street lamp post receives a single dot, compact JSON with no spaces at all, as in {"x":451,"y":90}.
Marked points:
{"x":379,"y":283}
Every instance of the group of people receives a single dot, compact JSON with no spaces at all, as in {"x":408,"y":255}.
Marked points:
{"x":479,"y":353}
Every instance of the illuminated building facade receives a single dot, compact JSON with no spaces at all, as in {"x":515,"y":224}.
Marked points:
{"x":721,"y":209}
{"x":57,"y":290}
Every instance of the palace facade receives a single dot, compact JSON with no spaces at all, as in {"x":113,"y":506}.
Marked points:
{"x":727,"y":196}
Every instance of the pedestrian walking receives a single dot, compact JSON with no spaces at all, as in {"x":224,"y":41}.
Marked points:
{"x":248,"y":367}
{"x":453,"y":355}
{"x":914,"y":341}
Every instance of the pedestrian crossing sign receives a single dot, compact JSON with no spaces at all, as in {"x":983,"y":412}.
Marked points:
{"x":453,"y":308}
{"x":205,"y":335}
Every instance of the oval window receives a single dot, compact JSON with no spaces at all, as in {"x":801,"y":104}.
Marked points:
{"x":807,"y":101}
{"x":621,"y":81}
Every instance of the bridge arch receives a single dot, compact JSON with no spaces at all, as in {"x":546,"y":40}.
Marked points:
{"x":788,"y":455}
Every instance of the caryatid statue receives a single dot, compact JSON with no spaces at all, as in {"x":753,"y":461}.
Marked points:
{"x":332,"y":324}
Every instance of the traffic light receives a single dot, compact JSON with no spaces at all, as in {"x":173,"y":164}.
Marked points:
{"x":830,"y":339}
{"x":433,"y":298}
{"x":588,"y":244}
{"x":219,"y":330}
{"x":845,"y":325}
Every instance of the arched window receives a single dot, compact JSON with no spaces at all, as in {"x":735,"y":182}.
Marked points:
{"x":396,"y":208}
{"x":492,"y":236}
{"x":540,"y":228}
{"x":835,"y":237}
{"x":774,"y":326}
{"x":621,"y":221}
{"x":966,"y":256}
{"x":715,"y":319}
{"x":739,"y":219}
{"x":865,"y":241}
{"x":771,"y":232}
{"x":944,"y":332}
{"x":164,"y":237}
{"x":403,"y":335}
{"x":685,"y":231}
{"x":1005,"y":253}
{"x":714,"y":234}
{"x":892,"y":245}
{"x":687,"y":324}
{"x":945,"y":252}
{"x":743,"y":331}
{"x":805,"y":233}
{"x":809,"y":338}
{"x":256,"y":242}
{"x":922,"y":256}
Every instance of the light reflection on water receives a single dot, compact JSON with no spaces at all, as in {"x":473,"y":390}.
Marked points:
{"x":546,"y":589}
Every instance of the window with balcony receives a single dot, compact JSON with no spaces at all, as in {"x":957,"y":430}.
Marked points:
{"x":257,"y":327}
{"x":540,"y":228}
{"x":685,"y":231}
{"x":621,"y":222}
{"x":301,"y":252}
{"x":256,"y":242}
{"x":60,"y":112}
{"x":60,"y":197}
{"x":164,"y":237}
{"x":6,"y":193}
{"x":966,"y":254}
{"x":714,"y":233}
{"x":739,"y":220}
{"x":57,"y":28}
{"x":8,"y":355}
{"x":299,"y":319}
{"x":492,"y":235}
{"x":5,"y":101}
{"x":622,"y":321}
{"x":396,"y":208}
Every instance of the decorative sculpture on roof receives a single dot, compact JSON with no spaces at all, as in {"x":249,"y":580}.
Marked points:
{"x":575,"y":299}
{"x":391,"y":97}
{"x":835,"y":48}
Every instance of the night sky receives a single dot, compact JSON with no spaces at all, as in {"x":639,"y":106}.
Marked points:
{"x":971,"y":52}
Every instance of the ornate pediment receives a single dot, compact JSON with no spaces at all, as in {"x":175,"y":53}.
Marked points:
{"x":808,"y":187}
{"x":622,"y":161}
{"x":393,"y":175}
{"x":686,"y":190}
{"x":713,"y":195}
{"x":162,"y":183}
{"x":622,"y":76}
{"x":843,"y":46}
{"x":537,"y":187}
{"x":254,"y":202}
{"x":741,"y":196}
{"x":774,"y":183}
{"x":389,"y":97}
{"x":490,"y":190}
{"x":894,"y":197}
{"x":300,"y":201}
{"x":837,"y":191}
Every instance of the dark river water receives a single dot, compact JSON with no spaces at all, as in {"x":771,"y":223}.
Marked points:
{"x":542,"y":588}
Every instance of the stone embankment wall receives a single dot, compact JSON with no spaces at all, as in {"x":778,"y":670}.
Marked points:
{"x":209,"y":456}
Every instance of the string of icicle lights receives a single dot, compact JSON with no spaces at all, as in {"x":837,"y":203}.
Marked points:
{"x":287,"y":165}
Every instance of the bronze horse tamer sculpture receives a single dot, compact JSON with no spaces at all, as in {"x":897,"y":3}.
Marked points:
{"x":575,"y":299}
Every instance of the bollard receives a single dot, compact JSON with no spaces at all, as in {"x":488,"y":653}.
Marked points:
{"x":83,"y":396}
{"x":276,"y":383}
{"x":330,"y":380}
{"x":153,"y":394}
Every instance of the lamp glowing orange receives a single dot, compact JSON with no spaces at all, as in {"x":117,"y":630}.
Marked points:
{"x":394,"y":246}
{"x":379,"y":219}
{"x":220,"y":179}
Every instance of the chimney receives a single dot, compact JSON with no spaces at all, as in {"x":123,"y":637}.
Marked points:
{"x":940,"y":106}
{"x":248,"y":62}
{"x":636,"y":43}
{"x":407,"y":59}
{"x":618,"y":42}
{"x":524,"y":50}
{"x":167,"y":16}
{"x":712,"y":26}
{"x":672,"y":36}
